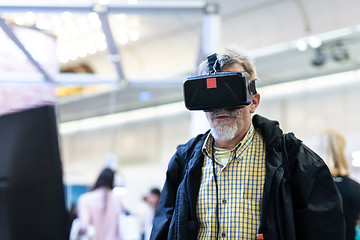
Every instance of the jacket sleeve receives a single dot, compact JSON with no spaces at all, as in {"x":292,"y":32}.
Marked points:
{"x":166,"y":205}
{"x":316,"y":200}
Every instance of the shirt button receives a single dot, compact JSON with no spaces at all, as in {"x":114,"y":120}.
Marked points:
{"x":224,"y":201}
{"x":223,"y":235}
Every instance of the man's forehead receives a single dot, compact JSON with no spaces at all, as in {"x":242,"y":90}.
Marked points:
{"x":235,"y":67}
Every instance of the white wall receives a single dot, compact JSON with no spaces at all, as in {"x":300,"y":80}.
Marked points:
{"x":307,"y":107}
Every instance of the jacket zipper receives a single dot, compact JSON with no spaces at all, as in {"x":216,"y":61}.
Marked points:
{"x":177,"y":214}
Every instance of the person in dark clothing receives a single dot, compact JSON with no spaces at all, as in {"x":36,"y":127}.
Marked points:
{"x":334,"y":155}
{"x":72,"y":215}
{"x":245,"y":179}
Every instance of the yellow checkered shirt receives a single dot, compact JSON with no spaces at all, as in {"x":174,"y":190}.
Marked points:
{"x":240,"y":189}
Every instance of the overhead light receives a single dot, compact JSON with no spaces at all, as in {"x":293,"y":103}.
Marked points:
{"x":83,"y":24}
{"x":101,"y":46}
{"x":71,"y":28}
{"x":63,"y":59}
{"x":81,"y":48}
{"x":30,"y":18}
{"x":123,"y":39}
{"x":121,"y":33}
{"x":66,"y":16}
{"x":55,"y":20}
{"x":94,"y":20}
{"x":301,"y":44}
{"x":314,"y":41}
{"x":134,"y":35}
{"x":73,"y":52}
{"x":61,"y":33}
{"x":19,"y":20}
{"x":100,"y":36}
{"x":43,"y":24}
{"x":91,"y":45}
{"x":101,"y":41}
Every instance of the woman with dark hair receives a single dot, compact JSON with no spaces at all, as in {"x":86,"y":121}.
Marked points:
{"x":105,"y":179}
{"x":100,"y":208}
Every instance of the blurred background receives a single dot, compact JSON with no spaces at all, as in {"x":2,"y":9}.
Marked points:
{"x":115,"y":68}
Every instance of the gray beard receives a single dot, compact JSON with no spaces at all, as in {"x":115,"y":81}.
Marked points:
{"x":224,"y":133}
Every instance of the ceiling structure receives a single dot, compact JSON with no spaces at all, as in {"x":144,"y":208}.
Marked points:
{"x":284,"y":36}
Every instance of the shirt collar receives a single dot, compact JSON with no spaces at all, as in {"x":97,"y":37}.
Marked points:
{"x":245,"y":143}
{"x":240,"y":147}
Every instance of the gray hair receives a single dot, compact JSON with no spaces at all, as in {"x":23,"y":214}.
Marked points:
{"x":230,"y":56}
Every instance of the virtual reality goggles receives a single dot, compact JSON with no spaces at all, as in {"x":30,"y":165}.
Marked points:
{"x":219,"y":90}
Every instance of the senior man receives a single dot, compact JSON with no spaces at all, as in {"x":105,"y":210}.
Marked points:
{"x":244,"y":178}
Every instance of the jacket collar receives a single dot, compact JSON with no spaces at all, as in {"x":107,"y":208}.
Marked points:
{"x":269,"y":129}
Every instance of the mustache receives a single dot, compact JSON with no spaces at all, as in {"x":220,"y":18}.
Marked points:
{"x":229,"y":112}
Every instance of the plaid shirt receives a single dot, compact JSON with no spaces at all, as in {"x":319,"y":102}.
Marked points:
{"x":240,"y":189}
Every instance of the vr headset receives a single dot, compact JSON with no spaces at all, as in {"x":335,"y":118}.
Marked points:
{"x":218,"y":89}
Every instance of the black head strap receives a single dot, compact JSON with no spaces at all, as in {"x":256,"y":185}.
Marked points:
{"x":213,"y":60}
{"x":252,"y":87}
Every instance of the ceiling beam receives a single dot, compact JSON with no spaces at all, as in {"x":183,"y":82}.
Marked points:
{"x":114,"y":55}
{"x":18,"y":43}
{"x":138,"y":8}
{"x":84,"y":79}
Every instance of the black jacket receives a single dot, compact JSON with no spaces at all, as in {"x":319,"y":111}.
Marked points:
{"x":350,"y":193}
{"x":300,"y":199}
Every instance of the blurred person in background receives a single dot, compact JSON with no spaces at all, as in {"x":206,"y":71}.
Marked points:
{"x":100,"y":208}
{"x":333,"y":153}
{"x":152,"y":199}
{"x":245,"y":179}
{"x":72,"y":215}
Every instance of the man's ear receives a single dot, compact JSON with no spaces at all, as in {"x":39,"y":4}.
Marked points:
{"x":255,"y":102}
